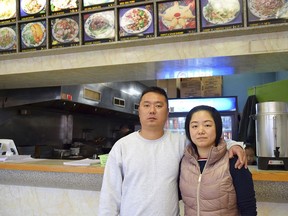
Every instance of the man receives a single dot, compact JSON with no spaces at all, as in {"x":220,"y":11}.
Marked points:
{"x":141,"y":173}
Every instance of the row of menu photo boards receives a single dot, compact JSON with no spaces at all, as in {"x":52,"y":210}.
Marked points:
{"x":128,"y":22}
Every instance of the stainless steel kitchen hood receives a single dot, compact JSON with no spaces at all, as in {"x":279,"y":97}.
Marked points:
{"x":103,"y":98}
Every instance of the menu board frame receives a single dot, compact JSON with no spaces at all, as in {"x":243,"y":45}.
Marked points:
{"x":106,"y":20}
{"x":10,"y":12}
{"x":72,"y":7}
{"x":33,"y":35}
{"x":131,"y":29}
{"x":69,"y":37}
{"x":210,"y":22}
{"x":273,"y":16}
{"x":32,"y":12}
{"x":176,"y":17}
{"x":8,"y":39}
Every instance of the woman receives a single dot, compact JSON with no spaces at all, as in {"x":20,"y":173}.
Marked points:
{"x":209,"y":183}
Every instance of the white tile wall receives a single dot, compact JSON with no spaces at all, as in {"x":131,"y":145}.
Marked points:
{"x":37,"y":201}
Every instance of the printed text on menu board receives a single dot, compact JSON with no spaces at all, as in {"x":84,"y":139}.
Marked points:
{"x":97,"y":4}
{"x":125,"y":2}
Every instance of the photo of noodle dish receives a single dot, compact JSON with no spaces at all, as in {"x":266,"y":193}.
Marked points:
{"x":7,"y":9}
{"x":32,"y":6}
{"x":178,"y":16}
{"x":7,"y":38}
{"x":136,"y":20}
{"x":100,"y":25}
{"x":264,"y":9}
{"x":221,"y":11}
{"x":33,"y":34}
{"x":65,"y":30}
{"x":57,"y":5}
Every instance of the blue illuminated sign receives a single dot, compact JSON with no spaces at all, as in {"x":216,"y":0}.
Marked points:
{"x":186,"y":104}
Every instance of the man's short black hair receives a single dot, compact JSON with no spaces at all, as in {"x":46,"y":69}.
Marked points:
{"x":157,"y":90}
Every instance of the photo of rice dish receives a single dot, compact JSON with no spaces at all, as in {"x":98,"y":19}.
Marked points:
{"x":7,"y":9}
{"x":32,"y":6}
{"x":33,"y":34}
{"x":221,"y":11}
{"x":100,"y":25}
{"x":7,"y":38}
{"x":265,"y":8}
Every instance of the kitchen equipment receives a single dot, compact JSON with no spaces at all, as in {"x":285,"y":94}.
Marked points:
{"x":8,"y":147}
{"x":61,"y":153}
{"x":272,"y":135}
{"x":75,"y":151}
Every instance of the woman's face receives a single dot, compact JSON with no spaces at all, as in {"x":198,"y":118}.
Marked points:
{"x":202,"y":129}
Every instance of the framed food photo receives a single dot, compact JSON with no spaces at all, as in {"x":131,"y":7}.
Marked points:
{"x":136,"y":22}
{"x":176,"y":17}
{"x":7,"y":11}
{"x":99,"y":27}
{"x":63,"y":6}
{"x":30,"y":9}
{"x":221,"y":15}
{"x":8,"y":39}
{"x":64,"y":32}
{"x":96,"y":4}
{"x":33,"y":36}
{"x":265,"y":12}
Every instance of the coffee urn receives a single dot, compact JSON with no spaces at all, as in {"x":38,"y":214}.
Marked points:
{"x":272,"y":135}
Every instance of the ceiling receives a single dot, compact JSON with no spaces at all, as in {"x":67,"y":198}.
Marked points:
{"x":148,"y":73}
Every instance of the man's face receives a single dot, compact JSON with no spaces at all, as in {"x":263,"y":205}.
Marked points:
{"x":153,"y":111}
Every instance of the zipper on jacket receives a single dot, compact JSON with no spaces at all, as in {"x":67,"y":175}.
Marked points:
{"x":198,"y":193}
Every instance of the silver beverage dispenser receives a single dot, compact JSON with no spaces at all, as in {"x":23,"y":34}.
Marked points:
{"x":272,"y":135}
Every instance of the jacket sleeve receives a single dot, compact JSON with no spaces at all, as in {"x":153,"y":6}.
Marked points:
{"x":244,"y":187}
{"x":110,"y":195}
{"x":231,"y":143}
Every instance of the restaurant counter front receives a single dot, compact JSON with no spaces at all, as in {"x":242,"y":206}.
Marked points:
{"x":48,"y":187}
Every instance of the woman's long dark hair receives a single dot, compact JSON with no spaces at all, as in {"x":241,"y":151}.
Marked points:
{"x":216,"y":117}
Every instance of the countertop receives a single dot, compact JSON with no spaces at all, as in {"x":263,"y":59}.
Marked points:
{"x":51,"y":174}
{"x":270,"y":185}
{"x":57,"y":166}
{"x":52,"y":166}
